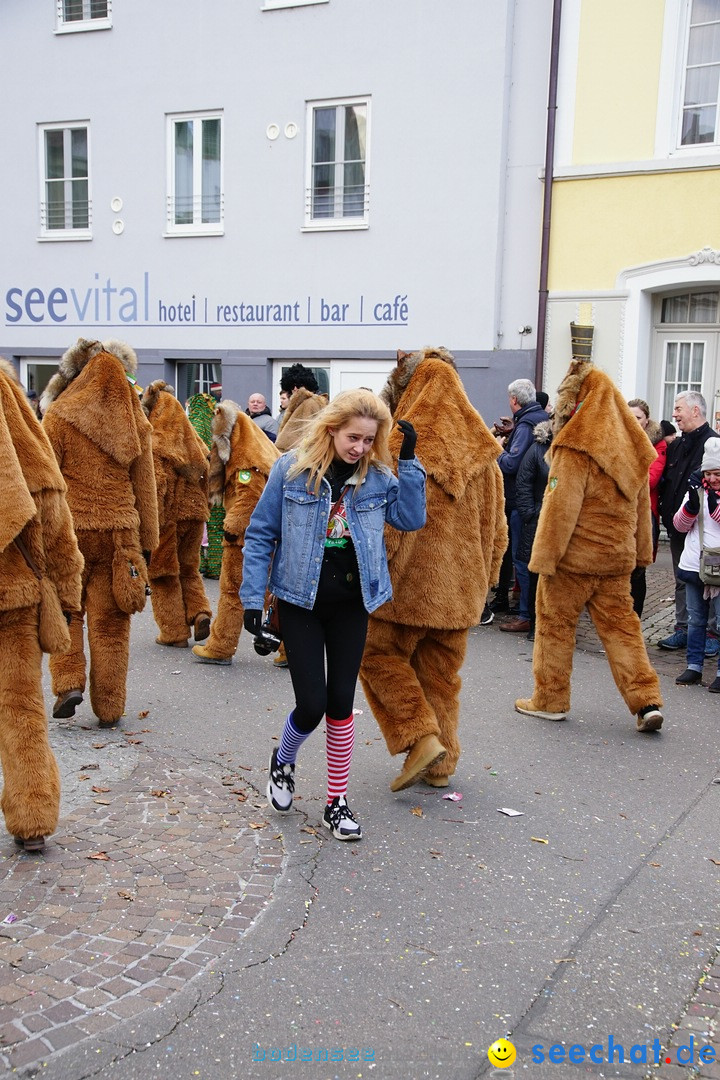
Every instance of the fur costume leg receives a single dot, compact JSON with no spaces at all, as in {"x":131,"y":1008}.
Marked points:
{"x":165,"y":590}
{"x":195,"y":601}
{"x":108,"y":635}
{"x":559,"y":601}
{"x":392,"y":685}
{"x":618,"y":627}
{"x":437,"y":662}
{"x":31,"y":795}
{"x":68,"y":670}
{"x":228,"y":623}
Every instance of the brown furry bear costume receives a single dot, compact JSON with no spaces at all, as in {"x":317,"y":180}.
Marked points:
{"x":179,"y":600}
{"x":594,"y":529}
{"x":103,"y":443}
{"x":440,"y":575}
{"x":302,"y":407}
{"x":240,"y":462}
{"x":40,"y":568}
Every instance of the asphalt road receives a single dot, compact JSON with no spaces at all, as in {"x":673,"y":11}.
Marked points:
{"x":591,"y":915}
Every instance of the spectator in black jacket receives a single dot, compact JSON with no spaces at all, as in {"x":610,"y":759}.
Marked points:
{"x":684,"y":456}
{"x":529,"y":490}
{"x":527,"y":412}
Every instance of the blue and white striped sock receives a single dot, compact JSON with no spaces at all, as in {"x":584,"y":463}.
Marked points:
{"x":290,"y":743}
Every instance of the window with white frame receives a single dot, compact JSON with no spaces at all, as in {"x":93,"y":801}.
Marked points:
{"x":337,"y":189}
{"x":195,"y":201}
{"x":682,"y":370}
{"x":84,"y":15}
{"x":196,"y":377}
{"x":65,"y":208}
{"x":702,"y":75}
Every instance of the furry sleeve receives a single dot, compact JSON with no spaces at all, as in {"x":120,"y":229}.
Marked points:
{"x":560,"y":510}
{"x":142,"y":477}
{"x":500,"y":530}
{"x":644,"y":530}
{"x":63,"y":561}
{"x":244,"y":501}
{"x":54,"y":429}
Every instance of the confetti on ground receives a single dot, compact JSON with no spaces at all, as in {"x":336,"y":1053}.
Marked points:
{"x":509,"y":812}
{"x":538,"y":840}
{"x":455,"y":796}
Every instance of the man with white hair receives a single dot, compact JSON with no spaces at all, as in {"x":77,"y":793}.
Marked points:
{"x":527,"y":412}
{"x":684,"y":456}
{"x":257,"y":410}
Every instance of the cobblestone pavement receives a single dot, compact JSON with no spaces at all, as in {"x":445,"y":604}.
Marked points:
{"x":129,"y":902}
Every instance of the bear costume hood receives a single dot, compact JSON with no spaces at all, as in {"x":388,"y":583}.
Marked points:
{"x":592,"y":417}
{"x":90,"y":388}
{"x":425,"y":388}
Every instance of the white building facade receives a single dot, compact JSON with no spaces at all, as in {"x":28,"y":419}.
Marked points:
{"x":236,"y":185}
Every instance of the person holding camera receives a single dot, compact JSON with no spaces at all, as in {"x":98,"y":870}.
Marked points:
{"x":699,"y":520}
{"x":319,"y":527}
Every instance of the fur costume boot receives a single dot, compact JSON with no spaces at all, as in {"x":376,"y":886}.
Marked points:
{"x":411,"y":679}
{"x":31,"y":794}
{"x":560,"y":600}
{"x":108,"y":635}
{"x":178,"y":595}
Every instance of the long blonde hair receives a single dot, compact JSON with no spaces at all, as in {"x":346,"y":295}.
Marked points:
{"x":317,"y":450}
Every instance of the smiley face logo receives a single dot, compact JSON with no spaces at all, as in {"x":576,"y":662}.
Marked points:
{"x":501,"y":1053}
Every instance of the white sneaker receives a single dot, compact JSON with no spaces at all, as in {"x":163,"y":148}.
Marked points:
{"x":281,"y":784}
{"x":338,"y":818}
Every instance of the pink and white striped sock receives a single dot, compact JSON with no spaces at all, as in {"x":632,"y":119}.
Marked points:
{"x":340,"y":736}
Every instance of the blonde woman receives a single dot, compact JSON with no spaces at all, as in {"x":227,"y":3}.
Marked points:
{"x":318,"y":528}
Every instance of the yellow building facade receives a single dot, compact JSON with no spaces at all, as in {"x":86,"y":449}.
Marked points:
{"x":635,"y":227}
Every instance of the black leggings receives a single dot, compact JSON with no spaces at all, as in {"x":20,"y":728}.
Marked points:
{"x":337,"y":630}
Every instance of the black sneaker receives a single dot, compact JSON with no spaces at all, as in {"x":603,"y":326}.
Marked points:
{"x":487,"y":616}
{"x":500,"y":606}
{"x":339,"y":820}
{"x":281,"y":784}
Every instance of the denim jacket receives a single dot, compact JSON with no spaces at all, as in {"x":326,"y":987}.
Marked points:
{"x":289,"y":524}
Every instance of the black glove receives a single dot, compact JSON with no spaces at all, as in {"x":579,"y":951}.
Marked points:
{"x":692,"y":501}
{"x":712,"y":500}
{"x":407,"y":450}
{"x":146,"y":557}
{"x":695,"y":479}
{"x":231,"y":538}
{"x":252,"y":620}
